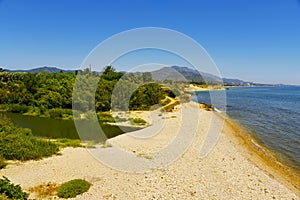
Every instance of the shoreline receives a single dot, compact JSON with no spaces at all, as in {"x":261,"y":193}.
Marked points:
{"x":195,"y":88}
{"x":262,"y":156}
{"x":230,"y":169}
{"x":265,"y":158}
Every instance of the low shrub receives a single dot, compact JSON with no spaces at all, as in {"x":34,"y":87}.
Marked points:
{"x":2,"y":163}
{"x":3,"y":197}
{"x":45,"y":190}
{"x":105,"y":117}
{"x":138,"y":121}
{"x":67,"y":117}
{"x":19,"y":143}
{"x":17,"y":108}
{"x":4,"y":107}
{"x":172,"y":94}
{"x":90,"y":144}
{"x":64,"y":142}
{"x":26,"y":147}
{"x":73,"y":188}
{"x":10,"y":190}
{"x":59,"y":113}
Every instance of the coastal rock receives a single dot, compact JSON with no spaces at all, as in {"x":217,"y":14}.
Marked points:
{"x":206,"y":106}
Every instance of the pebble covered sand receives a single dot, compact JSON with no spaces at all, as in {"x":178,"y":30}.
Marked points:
{"x":225,"y":173}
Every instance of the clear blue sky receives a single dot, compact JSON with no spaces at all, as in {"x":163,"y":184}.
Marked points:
{"x":257,"y":40}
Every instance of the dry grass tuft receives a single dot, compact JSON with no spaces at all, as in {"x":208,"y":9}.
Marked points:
{"x":45,"y":190}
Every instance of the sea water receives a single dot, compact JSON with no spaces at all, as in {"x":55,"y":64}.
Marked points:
{"x":271,"y":114}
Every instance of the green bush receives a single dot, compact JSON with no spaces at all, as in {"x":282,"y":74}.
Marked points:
{"x":105,"y":117}
{"x":4,"y":107}
{"x":19,"y":144}
{"x":58,"y":113}
{"x":73,"y":188}
{"x":3,"y":197}
{"x":11,"y":191}
{"x":146,"y":96}
{"x":138,"y":121}
{"x":16,"y":108}
{"x":172,"y":94}
{"x":2,"y":163}
{"x":25,"y":147}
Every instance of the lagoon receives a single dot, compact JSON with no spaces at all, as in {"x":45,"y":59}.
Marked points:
{"x":57,"y":128}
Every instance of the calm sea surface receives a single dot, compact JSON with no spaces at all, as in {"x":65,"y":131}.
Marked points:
{"x":272,"y":114}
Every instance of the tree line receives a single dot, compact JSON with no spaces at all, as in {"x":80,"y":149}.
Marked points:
{"x":50,"y":94}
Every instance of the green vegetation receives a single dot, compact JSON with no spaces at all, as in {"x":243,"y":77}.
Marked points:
{"x":199,"y":84}
{"x":19,"y":143}
{"x":90,"y":144}
{"x":16,"y":108}
{"x":11,"y":191}
{"x":171,"y":93}
{"x":50,"y":94}
{"x":73,"y":188}
{"x":146,"y":96}
{"x":105,"y":117}
{"x":138,"y":121}
{"x":59,"y":113}
{"x":2,"y":163}
{"x":3,"y":197}
{"x":64,"y":142}
{"x":25,"y":91}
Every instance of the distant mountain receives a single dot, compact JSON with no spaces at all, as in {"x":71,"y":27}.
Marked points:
{"x":177,"y":73}
{"x":232,"y":81}
{"x":42,"y":69}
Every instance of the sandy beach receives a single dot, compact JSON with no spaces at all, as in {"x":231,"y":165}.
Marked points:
{"x":195,"y":88}
{"x":232,"y":170}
